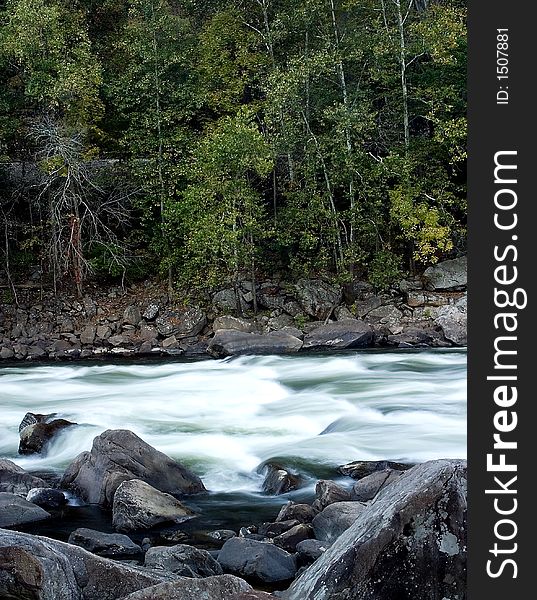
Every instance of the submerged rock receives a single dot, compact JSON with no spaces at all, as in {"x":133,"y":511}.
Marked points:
{"x":119,"y":455}
{"x":409,"y":543}
{"x":35,"y":438}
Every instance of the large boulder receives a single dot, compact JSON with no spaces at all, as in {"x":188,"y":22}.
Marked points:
{"x":181,"y":324}
{"x":183,"y":560}
{"x":15,"y":510}
{"x":253,"y":559}
{"x":368,"y":487}
{"x":137,"y":505}
{"x":38,"y":568}
{"x":335,"y":519}
{"x":453,"y":322}
{"x":35,"y":438}
{"x":219,"y":587}
{"x":409,"y":543}
{"x":348,"y":333}
{"x":16,"y":480}
{"x":327,"y":492}
{"x":104,"y":544}
{"x":279,"y":480}
{"x":318,"y":298}
{"x":447,"y":275}
{"x":228,"y":342}
{"x":118,"y":455}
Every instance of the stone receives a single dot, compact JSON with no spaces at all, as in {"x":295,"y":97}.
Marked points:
{"x":148,"y":332}
{"x":327,"y":492}
{"x":261,"y":561}
{"x":368,"y":487}
{"x":119,"y":455}
{"x":409,"y":543}
{"x":453,"y":322}
{"x":388,"y":315}
{"x":104,"y":544}
{"x":349,"y":333}
{"x":47,"y":497}
{"x":36,"y":352}
{"x":137,"y":505}
{"x":226,"y":301}
{"x":6,"y":353}
{"x":183,"y":560}
{"x":318,"y":298}
{"x":303,"y":513}
{"x":424,"y":298}
{"x":336,"y":518}
{"x":360,"y":468}
{"x":342,"y":312}
{"x":219,"y":587}
{"x":132,"y":315}
{"x":309,"y":550}
{"x":447,"y":275}
{"x":235,"y":323}
{"x":15,"y":510}
{"x":272,"y":530}
{"x":39,"y":568}
{"x":181,"y":324}
{"x":288,"y":540}
{"x":87,"y":335}
{"x":35,"y":438}
{"x":221,"y":535}
{"x":103,"y":332}
{"x":151,"y":312}
{"x":279,"y":481}
{"x":119,"y":340}
{"x":170,"y":343}
{"x":227,"y":342}
{"x":16,"y":480}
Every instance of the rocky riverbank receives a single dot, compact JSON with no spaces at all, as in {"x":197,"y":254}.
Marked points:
{"x":389,"y":530}
{"x":309,"y":315}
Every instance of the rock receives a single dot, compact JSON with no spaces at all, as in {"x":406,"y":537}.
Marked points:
{"x":361,"y":468}
{"x":170,"y":343}
{"x":33,"y":418}
{"x":183,"y":560}
{"x":90,"y":307}
{"x":16,"y":480}
{"x":423,"y":298}
{"x":151,"y":312}
{"x":288,"y":540}
{"x":39,"y":568}
{"x":327,"y":492}
{"x":279,"y":481}
{"x":303,"y":513}
{"x":409,"y":543}
{"x":219,"y":587}
{"x":137,"y":505}
{"x":349,"y":333}
{"x":272,"y":530}
{"x":104,"y":544}
{"x":389,"y":316}
{"x":453,"y":322}
{"x":222,"y":535}
{"x":277,"y":323}
{"x":46,"y":497}
{"x":335,"y":519}
{"x":235,"y":323}
{"x":87,"y":335}
{"x":35,"y":352}
{"x":255,"y":595}
{"x":256,"y":560}
{"x":226,"y":301}
{"x":318,"y":298}
{"x":447,"y":275}
{"x":15,"y":510}
{"x":118,"y":455}
{"x":368,"y":487}
{"x":227,"y":342}
{"x":132,"y":315}
{"x":419,"y":337}
{"x":148,"y":332}
{"x":309,"y":550}
{"x":181,"y":324}
{"x":103,"y":332}
{"x":342,"y":312}
{"x":6,"y":353}
{"x":66,"y":326}
{"x":119,"y":340}
{"x":35,"y":438}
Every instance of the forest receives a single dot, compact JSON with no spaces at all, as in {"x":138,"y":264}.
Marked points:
{"x":211,"y":140}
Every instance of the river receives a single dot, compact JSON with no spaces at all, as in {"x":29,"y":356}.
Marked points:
{"x":224,"y":418}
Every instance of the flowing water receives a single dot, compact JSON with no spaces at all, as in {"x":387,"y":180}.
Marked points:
{"x":224,"y":418}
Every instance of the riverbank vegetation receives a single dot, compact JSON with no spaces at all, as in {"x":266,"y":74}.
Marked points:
{"x":214,"y":140}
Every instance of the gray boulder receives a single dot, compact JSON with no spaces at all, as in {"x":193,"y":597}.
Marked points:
{"x":309,"y":550}
{"x":235,"y":323}
{"x":367,"y":488}
{"x":181,"y":323}
{"x":183,"y":560}
{"x":348,"y":333}
{"x":38,"y":568}
{"x":327,"y":492}
{"x":257,"y":560}
{"x":409,"y":543}
{"x":227,"y":342}
{"x":279,"y":480}
{"x":119,"y":455}
{"x":360,"y":468}
{"x":47,"y":497}
{"x":303,"y":513}
{"x":453,"y":322}
{"x":288,"y":540}
{"x":335,"y":519}
{"x":137,"y":505}
{"x":447,"y":275}
{"x":15,"y":510}
{"x":104,"y":544}
{"x":132,"y":315}
{"x":16,"y":480}
{"x":219,"y":587}
{"x":318,"y":298}
{"x":35,"y":438}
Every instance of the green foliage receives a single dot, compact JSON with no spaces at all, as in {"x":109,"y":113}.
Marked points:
{"x":385,"y":270}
